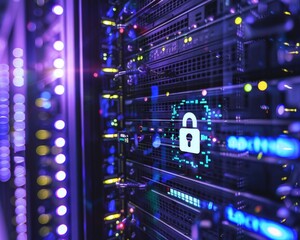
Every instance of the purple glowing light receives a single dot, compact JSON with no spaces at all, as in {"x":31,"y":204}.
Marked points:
{"x":61,"y":210}
{"x":18,"y":62}
{"x":39,"y":42}
{"x":60,"y":158}
{"x":18,"y":81}
{"x":59,"y":124}
{"x":19,"y":116}
{"x":20,"y":210}
{"x":19,"y":171}
{"x":62,"y":229}
{"x":18,"y":126}
{"x":21,"y":218}
{"x":4,"y":174}
{"x":19,"y":142}
{"x":60,"y":142}
{"x":18,"y":159}
{"x":19,"y":107}
{"x":58,"y":10}
{"x":5,"y":163}
{"x":4,"y":151}
{"x":20,"y":201}
{"x":61,"y":192}
{"x":280,"y":110}
{"x":4,"y":96}
{"x":18,"y":52}
{"x":21,"y":228}
{"x":19,"y":98}
{"x":31,"y":26}
{"x":20,"y":193}
{"x":60,"y":176}
{"x":20,"y":181}
{"x":22,"y":236}
{"x":59,"y":89}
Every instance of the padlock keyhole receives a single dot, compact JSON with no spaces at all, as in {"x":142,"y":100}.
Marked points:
{"x":189,"y":138}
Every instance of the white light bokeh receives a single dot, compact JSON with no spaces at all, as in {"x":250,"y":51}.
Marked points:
{"x":60,"y":142}
{"x":60,"y":158}
{"x":59,"y":89}
{"x":60,"y":176}
{"x":58,"y":10}
{"x":61,"y":192}
{"x":62,"y":229}
{"x":61,"y":210}
{"x":58,"y":45}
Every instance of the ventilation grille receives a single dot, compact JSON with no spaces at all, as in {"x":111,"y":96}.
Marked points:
{"x":161,"y":35}
{"x":205,"y":69}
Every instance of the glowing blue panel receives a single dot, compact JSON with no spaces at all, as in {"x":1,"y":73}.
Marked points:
{"x":281,"y":147}
{"x":261,"y":226}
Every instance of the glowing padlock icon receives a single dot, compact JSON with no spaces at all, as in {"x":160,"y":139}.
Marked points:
{"x":189,"y":138}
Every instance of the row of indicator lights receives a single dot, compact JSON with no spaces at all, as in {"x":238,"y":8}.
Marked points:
{"x":196,"y":202}
{"x":110,"y":171}
{"x":5,"y":171}
{"x":19,"y":138}
{"x":110,"y":37}
{"x":110,"y":160}
{"x":45,"y":180}
{"x":262,"y":86}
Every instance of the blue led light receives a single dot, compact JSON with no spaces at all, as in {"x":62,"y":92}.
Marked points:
{"x":110,"y":130}
{"x":131,"y":33}
{"x":108,"y":30}
{"x":110,"y":159}
{"x":110,"y":170}
{"x":46,"y":95}
{"x":156,"y":142}
{"x":112,"y":206}
{"x":281,"y":147}
{"x":46,"y":104}
{"x":112,"y":149}
{"x":261,"y":226}
{"x":110,"y":12}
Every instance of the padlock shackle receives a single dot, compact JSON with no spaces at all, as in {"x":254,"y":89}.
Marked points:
{"x":189,"y":115}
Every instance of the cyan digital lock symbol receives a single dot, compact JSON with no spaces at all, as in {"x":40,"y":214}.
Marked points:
{"x":189,"y":138}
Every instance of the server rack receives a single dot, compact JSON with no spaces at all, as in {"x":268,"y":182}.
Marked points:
{"x":151,"y":119}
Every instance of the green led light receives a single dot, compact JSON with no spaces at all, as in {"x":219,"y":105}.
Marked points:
{"x":248,"y":87}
